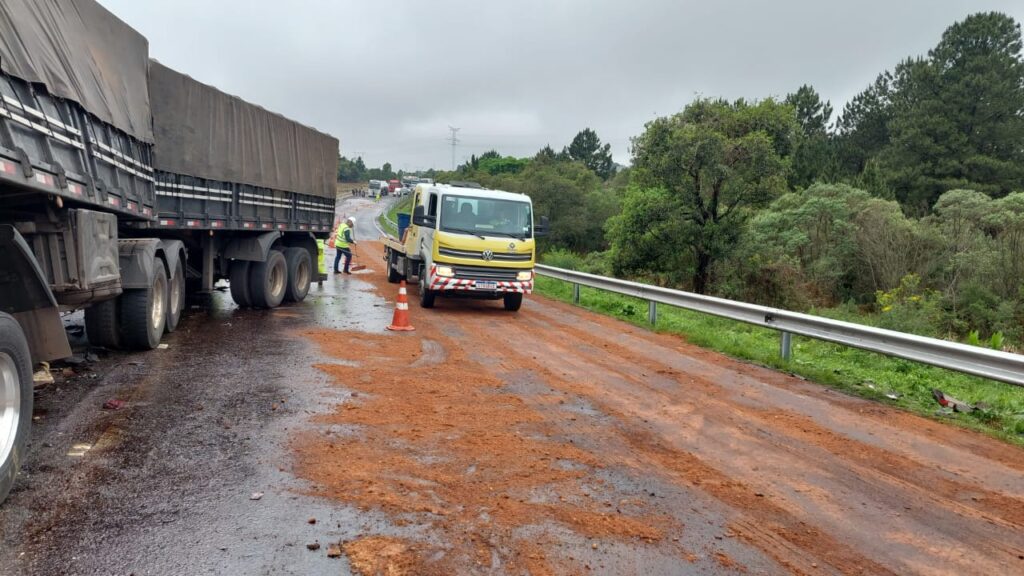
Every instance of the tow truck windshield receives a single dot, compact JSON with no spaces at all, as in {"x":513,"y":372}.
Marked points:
{"x":486,"y":217}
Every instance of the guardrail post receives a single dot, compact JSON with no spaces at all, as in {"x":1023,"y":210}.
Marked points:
{"x":786,"y":346}
{"x":652,"y":312}
{"x":575,"y":293}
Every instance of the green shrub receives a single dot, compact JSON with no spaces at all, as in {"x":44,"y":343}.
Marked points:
{"x":910,"y":308}
{"x":561,"y":258}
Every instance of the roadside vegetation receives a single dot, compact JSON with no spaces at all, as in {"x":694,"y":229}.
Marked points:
{"x":903,"y":210}
{"x":388,"y":220}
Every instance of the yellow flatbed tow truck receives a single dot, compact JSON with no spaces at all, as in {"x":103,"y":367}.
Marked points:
{"x":467,"y":242}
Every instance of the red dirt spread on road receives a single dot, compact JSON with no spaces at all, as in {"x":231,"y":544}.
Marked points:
{"x":447,"y":443}
{"x":382,"y":556}
{"x":556,"y":441}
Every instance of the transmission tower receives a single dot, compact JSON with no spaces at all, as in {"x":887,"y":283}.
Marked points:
{"x":453,"y":140}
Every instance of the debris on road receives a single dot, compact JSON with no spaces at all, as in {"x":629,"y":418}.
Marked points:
{"x":314,"y":546}
{"x":42,"y":377}
{"x":334,"y":551}
{"x":114,"y":404}
{"x":256,"y":496}
{"x":311,"y":521}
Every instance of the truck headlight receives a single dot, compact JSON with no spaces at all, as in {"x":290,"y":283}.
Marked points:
{"x":525,"y":275}
{"x":445,"y":271}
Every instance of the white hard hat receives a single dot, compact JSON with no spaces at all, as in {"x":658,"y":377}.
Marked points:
{"x":351,"y":219}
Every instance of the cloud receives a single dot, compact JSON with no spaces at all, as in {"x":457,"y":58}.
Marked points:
{"x":388,"y":77}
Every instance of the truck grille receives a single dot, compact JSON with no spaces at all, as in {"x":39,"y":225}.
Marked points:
{"x":482,"y":273}
{"x":478,"y":255}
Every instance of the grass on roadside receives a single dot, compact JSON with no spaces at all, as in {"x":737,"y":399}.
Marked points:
{"x":859,"y":372}
{"x":404,"y":206}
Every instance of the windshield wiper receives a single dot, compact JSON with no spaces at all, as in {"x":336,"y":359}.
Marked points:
{"x":473,"y":232}
{"x":520,"y":237}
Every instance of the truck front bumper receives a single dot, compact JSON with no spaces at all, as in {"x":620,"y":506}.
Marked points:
{"x":484,"y":280}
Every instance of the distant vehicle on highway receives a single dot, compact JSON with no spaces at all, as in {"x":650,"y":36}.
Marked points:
{"x":410,"y":182}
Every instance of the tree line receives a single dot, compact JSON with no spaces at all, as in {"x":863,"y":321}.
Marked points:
{"x":905,"y":209}
{"x":355,"y":170}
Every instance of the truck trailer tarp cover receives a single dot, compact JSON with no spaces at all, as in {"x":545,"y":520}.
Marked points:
{"x":201,"y":131}
{"x":83,"y":53}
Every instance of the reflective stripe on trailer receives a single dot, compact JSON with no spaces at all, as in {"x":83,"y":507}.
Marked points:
{"x":43,"y":178}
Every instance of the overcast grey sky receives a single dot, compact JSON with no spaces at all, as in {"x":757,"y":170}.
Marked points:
{"x":388,"y":77}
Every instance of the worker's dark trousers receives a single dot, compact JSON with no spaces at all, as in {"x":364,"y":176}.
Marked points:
{"x":337,"y":256}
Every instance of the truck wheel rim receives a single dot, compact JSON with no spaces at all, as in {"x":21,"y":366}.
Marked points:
{"x":302,"y":275}
{"x":277,"y":279}
{"x":175,"y":294}
{"x":157,"y":308}
{"x":10,"y":405}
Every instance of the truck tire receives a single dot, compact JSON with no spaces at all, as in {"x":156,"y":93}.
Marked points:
{"x":513,"y":301}
{"x":300,"y":274}
{"x":103,"y":324}
{"x":427,"y":295}
{"x":144,"y":312}
{"x":15,"y":400}
{"x":394,"y":276}
{"x":268,"y":280}
{"x":175,"y":297}
{"x":238,"y":279}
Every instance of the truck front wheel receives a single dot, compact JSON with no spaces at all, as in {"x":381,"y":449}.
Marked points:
{"x":394,"y":276}
{"x":426,"y":294}
{"x":144,"y":312}
{"x":15,"y":399}
{"x":267,"y":280}
{"x":513,"y":301}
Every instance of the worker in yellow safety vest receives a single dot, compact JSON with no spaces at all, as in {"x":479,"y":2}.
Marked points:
{"x":343,"y":241}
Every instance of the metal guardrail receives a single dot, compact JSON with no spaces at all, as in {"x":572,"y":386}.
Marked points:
{"x":997,"y":365}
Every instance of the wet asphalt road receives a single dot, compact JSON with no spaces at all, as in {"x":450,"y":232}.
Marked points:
{"x":163,"y":485}
{"x":740,"y":469}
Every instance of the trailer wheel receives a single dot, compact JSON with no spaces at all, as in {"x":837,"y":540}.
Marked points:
{"x":513,"y":301}
{"x":15,"y":399}
{"x":238,"y":279}
{"x":394,"y":276}
{"x":103,"y":324}
{"x":300,"y":274}
{"x":268,"y":280}
{"x":144,"y":313}
{"x":426,"y":294}
{"x":175,"y":297}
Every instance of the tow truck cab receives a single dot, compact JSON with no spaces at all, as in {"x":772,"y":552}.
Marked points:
{"x":471,"y":242}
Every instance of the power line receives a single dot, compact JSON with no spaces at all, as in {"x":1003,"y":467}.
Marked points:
{"x":454,"y":140}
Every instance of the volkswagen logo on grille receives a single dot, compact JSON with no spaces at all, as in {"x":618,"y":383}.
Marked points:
{"x":488,"y":255}
{"x":511,"y":245}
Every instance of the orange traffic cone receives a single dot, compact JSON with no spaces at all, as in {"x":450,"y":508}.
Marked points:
{"x":400,"y":321}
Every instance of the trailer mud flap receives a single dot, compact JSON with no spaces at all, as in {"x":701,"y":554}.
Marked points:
{"x":26,"y":295}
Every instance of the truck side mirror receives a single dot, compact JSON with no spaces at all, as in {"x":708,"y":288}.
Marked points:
{"x":541,"y":229}
{"x":420,"y":218}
